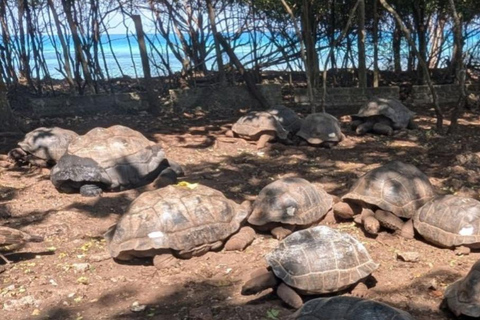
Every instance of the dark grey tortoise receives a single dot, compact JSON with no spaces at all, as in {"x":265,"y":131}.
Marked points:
{"x":317,"y":260}
{"x":450,"y":221}
{"x":42,"y":147}
{"x":321,"y":129}
{"x":287,"y":118}
{"x":288,"y":204}
{"x":388,"y":194}
{"x":114,"y":158}
{"x":463,"y":296}
{"x":382,"y":116}
{"x":178,"y":221}
{"x":348,"y":308}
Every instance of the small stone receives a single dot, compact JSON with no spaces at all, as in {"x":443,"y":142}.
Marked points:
{"x":20,"y":304}
{"x":137,"y":307}
{"x":81,"y":267}
{"x":409,"y":256}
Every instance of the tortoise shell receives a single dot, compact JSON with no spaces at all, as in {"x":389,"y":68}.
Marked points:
{"x":387,"y":107}
{"x":449,"y":221}
{"x":177,"y":218}
{"x":116,"y":158}
{"x":349,"y":308}
{"x":397,"y":187}
{"x":256,"y":123}
{"x":463,"y":296}
{"x":320,"y":260}
{"x":317,"y":128}
{"x":286,"y":117}
{"x":293,"y":201}
{"x":47,"y":144}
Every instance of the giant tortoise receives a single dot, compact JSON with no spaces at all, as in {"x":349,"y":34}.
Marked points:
{"x":317,"y":260}
{"x":179,"y":221}
{"x":287,"y":204}
{"x":387,"y":194}
{"x":450,"y":221}
{"x":113,"y":158}
{"x":382,"y":116}
{"x":348,"y":308}
{"x":321,"y":129}
{"x":463,"y":296}
{"x":42,"y":147}
{"x":264,"y":126}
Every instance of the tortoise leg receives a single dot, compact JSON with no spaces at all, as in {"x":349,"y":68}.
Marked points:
{"x":360,"y":290}
{"x":281,"y":232}
{"x":355,"y":123}
{"x":369,"y":222}
{"x":389,"y":220}
{"x":346,"y":210}
{"x":382,"y":128}
{"x":407,"y":230}
{"x":289,"y":296}
{"x":164,"y":261}
{"x":90,"y":190}
{"x":240,"y":240}
{"x":264,"y":138}
{"x":365,"y":127}
{"x":411,"y":124}
{"x":260,"y":281}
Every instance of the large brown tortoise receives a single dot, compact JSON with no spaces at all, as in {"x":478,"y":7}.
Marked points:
{"x":385,"y":196}
{"x":264,"y":126}
{"x":178,"y":221}
{"x":317,"y":260}
{"x":450,"y":221}
{"x":288,"y":204}
{"x":113,"y":158}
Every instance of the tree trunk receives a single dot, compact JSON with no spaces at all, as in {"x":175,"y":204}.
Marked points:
{"x":397,"y":45}
{"x":218,"y":53}
{"x":362,"y":66}
{"x":8,"y":122}
{"x":308,"y":33}
{"x":246,"y":75}
{"x":423,"y":64}
{"x":436,"y":41}
{"x":419,"y":20}
{"x":459,"y":68}
{"x":376,"y":72}
{"x":147,"y":78}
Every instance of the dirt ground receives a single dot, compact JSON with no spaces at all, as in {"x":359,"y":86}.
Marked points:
{"x":70,"y":275}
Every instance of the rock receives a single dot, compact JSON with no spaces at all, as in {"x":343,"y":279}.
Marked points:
{"x":137,"y":307}
{"x":81,"y":267}
{"x":20,"y":304}
{"x":410,"y":256}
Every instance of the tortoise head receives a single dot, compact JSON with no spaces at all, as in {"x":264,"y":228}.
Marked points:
{"x":72,"y":172}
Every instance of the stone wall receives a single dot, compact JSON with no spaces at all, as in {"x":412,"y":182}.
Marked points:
{"x":447,"y":93}
{"x":62,"y":106}
{"x":347,"y":97}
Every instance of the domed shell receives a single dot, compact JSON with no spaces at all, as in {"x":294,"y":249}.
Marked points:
{"x":292,"y":200}
{"x":174,"y":217}
{"x":397,"y":187}
{"x":255,"y":123}
{"x":449,"y":221}
{"x":317,"y":128}
{"x":349,"y":308}
{"x":320,"y":260}
{"x":286,"y":117}
{"x":106,"y":145}
{"x":463,"y":296}
{"x":388,"y":107}
{"x":48,"y":143}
